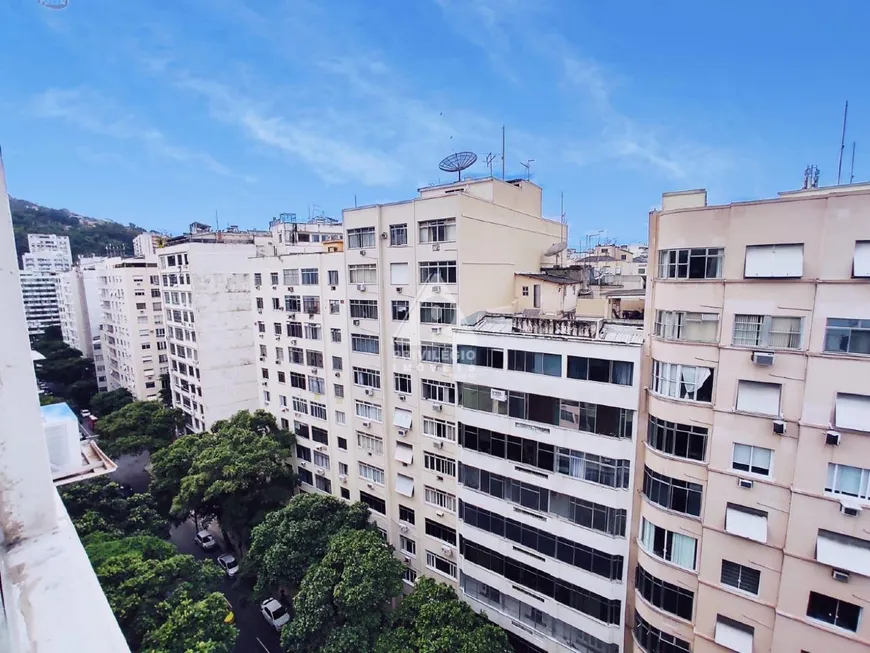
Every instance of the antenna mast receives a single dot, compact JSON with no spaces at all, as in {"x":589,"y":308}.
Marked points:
{"x":852,"y":167}
{"x":502,"y":152}
{"x":528,"y":166}
{"x":842,"y":142}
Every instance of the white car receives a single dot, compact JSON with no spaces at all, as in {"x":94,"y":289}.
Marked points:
{"x":274,"y":613}
{"x":229,"y":564}
{"x":205,"y":540}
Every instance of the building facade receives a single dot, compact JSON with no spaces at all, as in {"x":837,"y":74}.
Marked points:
{"x":47,"y":253}
{"x":753,"y":465}
{"x":40,"y":293}
{"x":133,"y":338}
{"x":73,"y":311}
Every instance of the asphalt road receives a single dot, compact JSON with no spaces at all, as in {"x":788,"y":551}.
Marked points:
{"x":255,"y":634}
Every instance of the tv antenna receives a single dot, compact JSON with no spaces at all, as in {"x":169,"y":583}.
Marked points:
{"x":528,"y":166}
{"x":489,"y":159}
{"x":54,"y":4}
{"x":457,"y":162}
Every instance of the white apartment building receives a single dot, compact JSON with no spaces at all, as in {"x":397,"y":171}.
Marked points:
{"x":74,"y":322}
{"x":133,"y":339}
{"x":40,"y":292}
{"x":546,"y":424}
{"x":47,"y":253}
{"x":145,"y":245}
{"x":206,"y":284}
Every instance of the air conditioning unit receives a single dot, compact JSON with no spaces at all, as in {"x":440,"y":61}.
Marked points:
{"x":367,"y":424}
{"x":439,"y":513}
{"x":369,"y":392}
{"x":779,"y":427}
{"x":277,"y":336}
{"x":338,"y":375}
{"x":399,"y":290}
{"x":342,"y":478}
{"x":293,"y":341}
{"x":311,"y":315}
{"x":285,"y":409}
{"x":436,"y":329}
{"x":832,"y":438}
{"x":303,"y":464}
{"x":362,"y":252}
{"x":262,"y":335}
{"x":277,"y":362}
{"x":407,"y":560}
{"x":402,"y":397}
{"x":361,"y":287}
{"x":320,"y":447}
{"x":274,"y":287}
{"x":438,"y":445}
{"x":384,"y":235}
{"x":745,"y":483}
{"x":370,"y":486}
{"x":446,"y":550}
{"x":402,"y":433}
{"x":356,"y":322}
{"x":437,"y":408}
{"x":403,"y":528}
{"x":289,"y":288}
{"x":840,"y":575}
{"x":291,"y":316}
{"x":436,"y":289}
{"x":256,"y":287}
{"x":762,"y":357}
{"x":320,"y":471}
{"x":314,"y":370}
{"x":332,"y":287}
{"x":260,"y":311}
{"x":262,"y":359}
{"x":436,"y":247}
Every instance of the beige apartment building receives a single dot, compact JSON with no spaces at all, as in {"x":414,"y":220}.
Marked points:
{"x":753,"y":468}
{"x":133,"y":337}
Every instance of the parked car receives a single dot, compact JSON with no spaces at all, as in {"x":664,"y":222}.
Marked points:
{"x":229,"y":564}
{"x":274,"y":613}
{"x":205,"y":540}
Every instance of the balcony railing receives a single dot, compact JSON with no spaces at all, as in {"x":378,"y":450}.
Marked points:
{"x":555,"y":326}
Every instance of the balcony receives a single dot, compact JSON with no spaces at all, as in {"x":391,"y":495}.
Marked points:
{"x":555,"y":326}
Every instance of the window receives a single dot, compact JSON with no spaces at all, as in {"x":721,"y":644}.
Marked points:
{"x":342,"y":442}
{"x":439,"y":391}
{"x":332,"y":277}
{"x":276,"y":304}
{"x":436,"y":428}
{"x":398,"y":235}
{"x":441,"y":532}
{"x":439,"y":464}
{"x":535,"y":362}
{"x":600,"y":369}
{"x":373,"y":502}
{"x":401,"y":348}
{"x":407,"y":545}
{"x":756,"y":460}
{"x":361,"y":238}
{"x":338,"y":391}
{"x":337,"y":363}
{"x":317,"y":385}
{"x":370,"y":443}
{"x":409,"y":576}
{"x":370,"y":473}
{"x":264,"y":373}
{"x":274,"y":278}
{"x":774,"y":261}
{"x":437,"y":313}
{"x":663,"y":595}
{"x":843,"y":552}
{"x":674,"y":547}
{"x":525,"y":291}
{"x":439,"y":499}
{"x":671,"y":493}
{"x":311,"y":305}
{"x":301,"y":430}
{"x":318,"y":410}
{"x":852,"y":412}
{"x":296,"y":355}
{"x":313,"y":358}
{"x":345,"y":493}
{"x":323,"y":483}
{"x":309,"y":277}
{"x":760,"y":398}
{"x":401,"y":310}
{"x":691,"y":327}
{"x":321,"y":460}
{"x":834,"y":611}
{"x":297,"y":380}
{"x":404,"y":485}
{"x":438,"y":272}
{"x":364,"y":344}
{"x":861,"y":261}
{"x":294,"y":329}
{"x":368,"y":411}
{"x":305,"y":476}
{"x":848,"y":481}
{"x":847,"y":336}
{"x":292,"y":303}
{"x":746,"y":522}
{"x":335,"y":335}
{"x":610,"y":472}
{"x":701,"y":263}
{"x":676,"y":439}
{"x":441,"y":565}
{"x":407,"y":515}
{"x":366,"y":377}
{"x":480,"y":356}
{"x":402,"y":419}
{"x":741,"y":577}
{"x":436,"y":352}
{"x":364,"y":308}
{"x":682,"y":381}
{"x":291,"y":277}
{"x":365,"y":273}
{"x":733,"y":635}
{"x":400,"y":274}
{"x":653,"y":640}
{"x":402,"y":383}
{"x":282,"y":378}
{"x":767,"y":331}
{"x":334,"y":306}
{"x":437,"y":231}
{"x":313,"y":331}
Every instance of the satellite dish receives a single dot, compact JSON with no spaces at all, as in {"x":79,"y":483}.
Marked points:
{"x":555,"y":249}
{"x":458,"y":162}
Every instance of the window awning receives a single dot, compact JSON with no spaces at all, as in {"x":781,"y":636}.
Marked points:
{"x":843,"y":552}
{"x":861,"y":264}
{"x":746,"y":522}
{"x":402,"y":418}
{"x":404,"y":453}
{"x":731,"y":637}
{"x":755,"y":397}
{"x":852,"y":412}
{"x":404,"y":485}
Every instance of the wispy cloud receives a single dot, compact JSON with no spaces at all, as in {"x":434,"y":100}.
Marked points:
{"x":92,"y":112}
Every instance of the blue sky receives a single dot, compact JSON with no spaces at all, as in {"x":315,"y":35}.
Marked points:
{"x":161,"y":113}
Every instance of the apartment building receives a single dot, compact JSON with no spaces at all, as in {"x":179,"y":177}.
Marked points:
{"x":133,"y":338}
{"x":47,"y":253}
{"x":754,"y":461}
{"x":145,"y":245}
{"x":40,"y":291}
{"x":73,"y":311}
{"x":206,"y":286}
{"x":546,"y":423}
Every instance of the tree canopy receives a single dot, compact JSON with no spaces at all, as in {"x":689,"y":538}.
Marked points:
{"x":194,"y":627}
{"x":342,"y":601}
{"x":433,"y":620}
{"x":67,"y":375}
{"x":100,"y":505}
{"x":105,"y":403}
{"x":292,"y":539}
{"x":139,"y":426}
{"x":169,"y":466}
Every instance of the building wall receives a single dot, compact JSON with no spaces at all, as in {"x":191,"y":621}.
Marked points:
{"x":73,"y":312}
{"x":47,"y":253}
{"x":41,"y":303}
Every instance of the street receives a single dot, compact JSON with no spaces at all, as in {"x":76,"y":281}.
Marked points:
{"x":255,"y":635}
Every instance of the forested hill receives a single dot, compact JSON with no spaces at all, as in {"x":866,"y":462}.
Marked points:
{"x":87,"y":236}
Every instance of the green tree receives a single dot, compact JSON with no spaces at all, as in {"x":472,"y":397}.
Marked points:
{"x":433,"y":620}
{"x":69,"y":377}
{"x":48,"y":400}
{"x":261,"y":422}
{"x":170,"y":465}
{"x":101,"y":546}
{"x":237,"y":476}
{"x":100,"y":505}
{"x":292,"y":539}
{"x":342,"y":602}
{"x":105,"y":403}
{"x":194,"y":627}
{"x":139,"y":426}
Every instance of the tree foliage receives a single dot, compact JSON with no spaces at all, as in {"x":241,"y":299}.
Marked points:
{"x":169,"y":466}
{"x":139,"y":426}
{"x":292,"y":539}
{"x":165,"y":392}
{"x":100,"y":505}
{"x":433,"y":620}
{"x":105,"y":403}
{"x":342,"y":601}
{"x":194,"y":627}
{"x":68,"y":376}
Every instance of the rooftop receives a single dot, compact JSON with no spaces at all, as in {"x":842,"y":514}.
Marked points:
{"x":555,"y":326}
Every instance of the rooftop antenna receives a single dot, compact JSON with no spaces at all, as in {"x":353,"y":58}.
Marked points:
{"x":489,"y":159}
{"x":842,"y":142}
{"x":852,"y":167}
{"x":811,"y":177}
{"x":502,"y":152}
{"x":458,"y":162}
{"x":217,"y":224}
{"x":528,"y":166}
